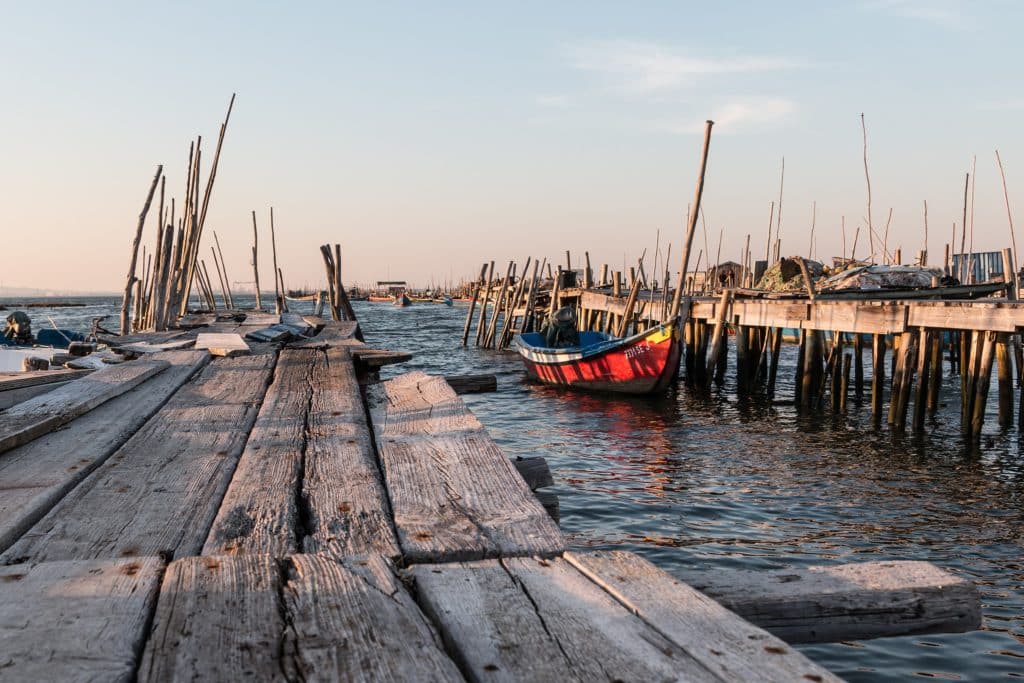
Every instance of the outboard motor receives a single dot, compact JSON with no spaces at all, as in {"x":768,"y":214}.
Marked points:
{"x":560,"y":329}
{"x":18,"y":329}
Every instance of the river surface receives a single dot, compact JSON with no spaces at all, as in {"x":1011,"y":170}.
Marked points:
{"x":709,"y":480}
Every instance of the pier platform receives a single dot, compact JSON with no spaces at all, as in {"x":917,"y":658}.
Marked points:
{"x":243,"y":503}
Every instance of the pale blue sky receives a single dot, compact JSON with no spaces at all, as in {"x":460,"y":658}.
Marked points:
{"x":429,"y":137}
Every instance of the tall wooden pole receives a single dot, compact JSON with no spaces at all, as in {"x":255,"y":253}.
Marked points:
{"x":135,"y":251}
{"x":688,"y":242}
{"x":255,"y":262}
{"x":278,"y":293}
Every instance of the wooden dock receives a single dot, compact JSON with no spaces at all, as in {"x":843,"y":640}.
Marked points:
{"x":270,"y":510}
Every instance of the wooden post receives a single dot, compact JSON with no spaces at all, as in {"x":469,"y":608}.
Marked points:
{"x":481,"y":322}
{"x":776,"y":344}
{"x":346,"y":305}
{"x":472,"y":304}
{"x":858,"y":365}
{"x":531,"y":300}
{"x":688,"y":242}
{"x":135,"y":251}
{"x":1005,"y":377}
{"x":1009,"y":275}
{"x":877,"y":374}
{"x":718,"y":340}
{"x":627,"y":315}
{"x":742,"y":358}
{"x":836,"y":361}
{"x":255,"y":262}
{"x":935,"y":376}
{"x":984,"y":379}
{"x":227,"y":282}
{"x":902,"y":386}
{"x":844,"y":388}
{"x":499,"y":306}
{"x":278,"y":292}
{"x":588,"y":274}
{"x":924,"y":363}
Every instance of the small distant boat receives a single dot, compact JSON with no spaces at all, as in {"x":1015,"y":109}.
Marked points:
{"x":401,"y":300}
{"x":443,"y":299}
{"x":642,"y":364}
{"x":380,"y":298}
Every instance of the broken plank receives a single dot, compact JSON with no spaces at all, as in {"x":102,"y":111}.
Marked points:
{"x":37,"y":475}
{"x":192,"y":320}
{"x":218,"y":619}
{"x":20,"y":380}
{"x":348,"y":512}
{"x":75,"y":621}
{"x":26,"y":421}
{"x":259,"y":513}
{"x":454,"y":494}
{"x":721,"y":641}
{"x":354,"y":621}
{"x":846,"y":602}
{"x":526,"y":619}
{"x":159,"y":493}
{"x":223,"y":344}
{"x":262,"y":319}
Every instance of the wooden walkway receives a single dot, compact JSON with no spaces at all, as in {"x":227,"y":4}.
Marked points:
{"x":189,"y":515}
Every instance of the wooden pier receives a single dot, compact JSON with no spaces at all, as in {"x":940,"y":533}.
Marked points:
{"x":271,"y":510}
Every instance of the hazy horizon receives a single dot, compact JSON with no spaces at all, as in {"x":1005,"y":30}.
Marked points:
{"x":429,"y":139}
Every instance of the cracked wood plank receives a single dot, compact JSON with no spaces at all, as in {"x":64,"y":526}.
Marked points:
{"x":159,"y":493}
{"x":37,"y":416}
{"x":75,"y":621}
{"x":354,"y":621}
{"x":218,"y":619}
{"x":37,"y":475}
{"x":348,"y":512}
{"x":846,"y":602}
{"x":259,"y":513}
{"x":523,"y":619}
{"x":721,"y":641}
{"x":454,"y":494}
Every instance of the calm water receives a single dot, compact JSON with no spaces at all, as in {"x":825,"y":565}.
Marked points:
{"x":709,"y":480}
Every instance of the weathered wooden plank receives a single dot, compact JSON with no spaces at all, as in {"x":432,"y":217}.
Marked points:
{"x":218,"y":619}
{"x":13,"y":397}
{"x":274,"y":333}
{"x":37,"y":475}
{"x":454,"y":494}
{"x":769,"y":313}
{"x":147,"y":337}
{"x":35,"y":417}
{"x":332,"y":334}
{"x":221,"y":344}
{"x":259,"y":513}
{"x":525,"y":619}
{"x":146,"y":347}
{"x":355,"y":622}
{"x":472,"y":384}
{"x":846,"y":602}
{"x":159,"y":493}
{"x":722,"y":642}
{"x":192,"y":320}
{"x":869,"y":318}
{"x":262,"y":319}
{"x":966,"y":316}
{"x":75,"y":621}
{"x":347,"y":506}
{"x":20,"y":380}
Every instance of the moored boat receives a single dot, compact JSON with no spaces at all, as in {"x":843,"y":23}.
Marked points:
{"x":644,"y":363}
{"x":401,"y":300}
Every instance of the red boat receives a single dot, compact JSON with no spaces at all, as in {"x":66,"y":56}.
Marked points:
{"x":642,"y":364}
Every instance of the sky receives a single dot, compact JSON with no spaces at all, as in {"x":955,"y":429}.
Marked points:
{"x":428,"y":138}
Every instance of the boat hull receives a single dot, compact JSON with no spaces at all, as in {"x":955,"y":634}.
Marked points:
{"x":642,"y":364}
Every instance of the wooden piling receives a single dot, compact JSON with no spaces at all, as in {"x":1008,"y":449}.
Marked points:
{"x":255,"y":262}
{"x":1005,"y":379}
{"x":718,"y":341}
{"x":482,"y":320}
{"x":987,"y":343}
{"x":924,"y":363}
{"x":472,"y":304}
{"x":125,"y":328}
{"x":877,"y":374}
{"x":844,"y":388}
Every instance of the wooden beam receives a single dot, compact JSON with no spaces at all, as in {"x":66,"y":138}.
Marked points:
{"x":822,"y":604}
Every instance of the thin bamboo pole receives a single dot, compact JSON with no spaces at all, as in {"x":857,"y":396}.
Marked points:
{"x":135,"y":250}
{"x":688,"y":242}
